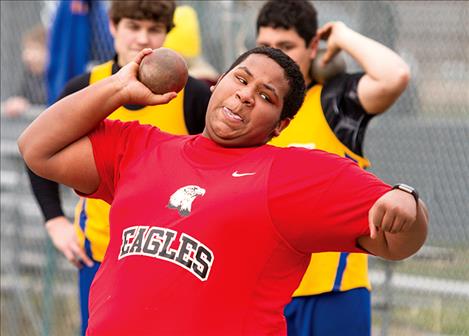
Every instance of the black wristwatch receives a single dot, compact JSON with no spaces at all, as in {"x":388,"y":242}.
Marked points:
{"x":408,"y":189}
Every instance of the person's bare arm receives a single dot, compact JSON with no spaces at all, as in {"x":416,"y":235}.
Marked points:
{"x":398,"y":226}
{"x":55,"y":145}
{"x":386,"y":73}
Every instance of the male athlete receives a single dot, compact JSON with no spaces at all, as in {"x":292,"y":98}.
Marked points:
{"x":194,"y":215}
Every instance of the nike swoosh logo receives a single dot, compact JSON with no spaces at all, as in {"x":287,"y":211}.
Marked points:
{"x":236,"y":174}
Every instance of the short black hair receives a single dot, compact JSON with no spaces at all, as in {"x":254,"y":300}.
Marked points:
{"x":298,"y":14}
{"x":296,"y":93}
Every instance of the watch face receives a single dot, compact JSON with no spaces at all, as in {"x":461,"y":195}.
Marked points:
{"x":406,"y":188}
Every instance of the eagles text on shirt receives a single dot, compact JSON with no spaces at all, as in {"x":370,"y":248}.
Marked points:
{"x":157,"y":242}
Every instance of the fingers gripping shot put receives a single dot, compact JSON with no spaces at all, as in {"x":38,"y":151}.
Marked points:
{"x":163,"y":70}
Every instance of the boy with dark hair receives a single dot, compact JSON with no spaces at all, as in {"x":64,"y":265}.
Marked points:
{"x":134,"y":25}
{"x":334,"y":118}
{"x":194,"y":215}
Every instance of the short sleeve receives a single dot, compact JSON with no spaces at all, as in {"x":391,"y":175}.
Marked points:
{"x":343,"y":110}
{"x":319,"y":202}
{"x":115,"y":144}
{"x":340,"y":94}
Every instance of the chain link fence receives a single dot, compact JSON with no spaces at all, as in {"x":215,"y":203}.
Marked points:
{"x":422,"y":140}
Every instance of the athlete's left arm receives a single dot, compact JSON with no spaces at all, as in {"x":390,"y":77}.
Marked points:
{"x":398,"y":226}
{"x":386,"y":73}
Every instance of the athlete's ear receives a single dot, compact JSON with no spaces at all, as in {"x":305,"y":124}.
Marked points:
{"x":281,"y":125}
{"x":212,"y":88}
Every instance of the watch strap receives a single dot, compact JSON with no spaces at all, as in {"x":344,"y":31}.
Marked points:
{"x":408,"y":189}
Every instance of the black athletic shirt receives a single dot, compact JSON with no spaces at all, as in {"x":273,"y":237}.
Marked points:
{"x":343,"y":110}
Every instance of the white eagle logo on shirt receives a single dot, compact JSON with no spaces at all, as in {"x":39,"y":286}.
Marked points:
{"x":183,"y":197}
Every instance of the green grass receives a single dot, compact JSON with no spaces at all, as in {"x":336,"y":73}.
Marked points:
{"x":424,"y":313}
{"x":455,"y":268}
{"x":436,"y":316}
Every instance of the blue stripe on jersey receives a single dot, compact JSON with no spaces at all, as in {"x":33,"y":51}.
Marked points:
{"x":340,"y":271}
{"x":83,"y":219}
{"x":351,"y":158}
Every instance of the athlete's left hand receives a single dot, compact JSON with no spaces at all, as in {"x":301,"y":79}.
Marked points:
{"x":394,"y":212}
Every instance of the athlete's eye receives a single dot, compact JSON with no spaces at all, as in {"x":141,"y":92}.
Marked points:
{"x":266,"y":97}
{"x":242,"y":80}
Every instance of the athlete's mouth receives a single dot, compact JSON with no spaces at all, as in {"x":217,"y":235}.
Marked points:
{"x":232,"y":115}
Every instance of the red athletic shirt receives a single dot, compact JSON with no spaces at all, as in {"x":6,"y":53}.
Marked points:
{"x":190,"y":219}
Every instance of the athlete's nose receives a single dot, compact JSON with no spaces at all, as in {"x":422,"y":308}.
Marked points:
{"x":245,"y":95}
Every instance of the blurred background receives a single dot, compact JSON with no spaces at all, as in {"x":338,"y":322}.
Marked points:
{"x":422,"y":141}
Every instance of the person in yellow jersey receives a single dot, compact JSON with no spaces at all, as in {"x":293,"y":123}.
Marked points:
{"x":334,"y":295}
{"x":134,"y":25}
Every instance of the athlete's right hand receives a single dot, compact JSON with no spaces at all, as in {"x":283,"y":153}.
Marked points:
{"x":134,"y":91}
{"x":65,"y":239}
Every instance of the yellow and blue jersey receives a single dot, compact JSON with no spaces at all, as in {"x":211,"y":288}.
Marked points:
{"x":330,"y":271}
